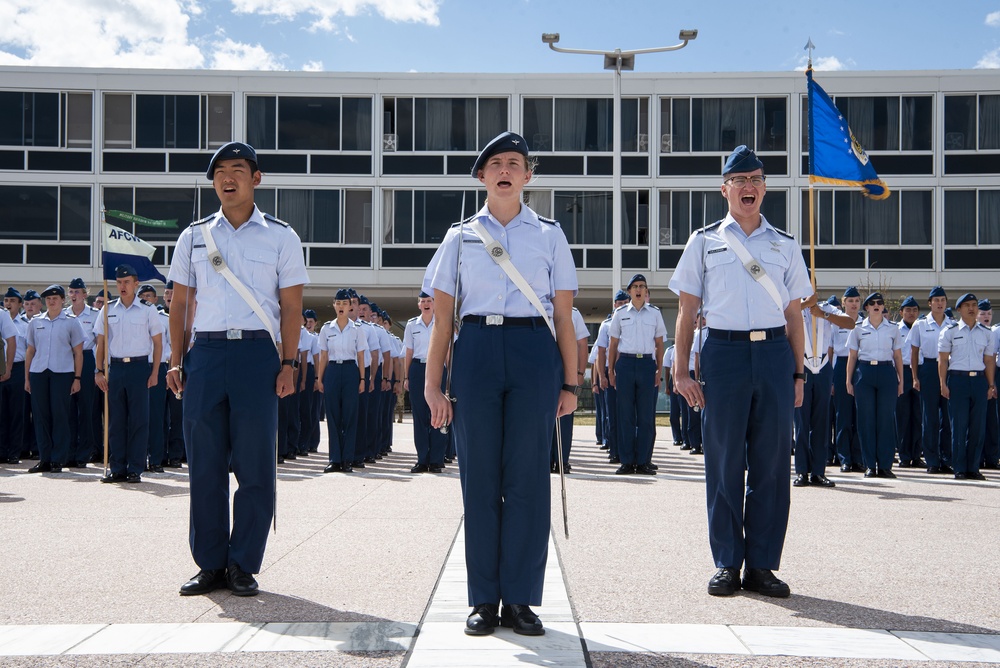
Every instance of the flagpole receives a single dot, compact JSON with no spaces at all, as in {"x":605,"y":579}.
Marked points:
{"x":107,"y":365}
{"x":812,"y":209}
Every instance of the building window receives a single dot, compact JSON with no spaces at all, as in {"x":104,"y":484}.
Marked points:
{"x":55,"y":213}
{"x":442,"y":124}
{"x":167,"y":121}
{"x":685,"y":211}
{"x":971,"y":122}
{"x":722,"y":124}
{"x":424,"y":216}
{"x":309,"y":123}
{"x":584,"y":124}
{"x":62,"y":120}
{"x":845,"y":218}
{"x":173,"y":210}
{"x":586,"y":216}
{"x":897,"y":123}
{"x":971,"y":217}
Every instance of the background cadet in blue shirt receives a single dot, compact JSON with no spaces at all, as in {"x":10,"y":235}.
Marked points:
{"x":908,"y":416}
{"x":54,"y":360}
{"x":511,"y":380}
{"x":429,"y":442}
{"x":991,"y":445}
{"x":752,"y":369}
{"x":846,"y":437}
{"x":133,"y":336}
{"x":966,"y":372}
{"x":307,"y":385}
{"x":12,"y":389}
{"x":156,"y":449}
{"x":32,"y":308}
{"x":83,"y":437}
{"x":338,"y":378}
{"x":875,"y":353}
{"x":923,"y":341}
{"x":672,"y":397}
{"x":693,"y":441}
{"x":610,"y":395}
{"x":565,"y":423}
{"x":232,"y":375}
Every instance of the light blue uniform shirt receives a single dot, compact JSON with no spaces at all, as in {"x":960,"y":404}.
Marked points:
{"x":925,"y":335}
{"x":668,"y":357}
{"x":967,"y":346}
{"x":7,"y":330}
{"x":697,"y":345}
{"x":132,"y":328}
{"x":53,"y":341}
{"x":21,"y":324}
{"x":996,"y":342}
{"x":579,"y":325}
{"x":636,"y":329}
{"x":165,"y":339}
{"x":372,"y":341}
{"x":87,"y":318}
{"x":305,"y":341}
{"x":538,"y":250}
{"x":342,"y":344}
{"x":264,"y":254}
{"x":603,"y":336}
{"x":875,"y":344}
{"x":384,"y":342}
{"x":417,"y":337}
{"x":314,"y":349}
{"x":731,"y":298}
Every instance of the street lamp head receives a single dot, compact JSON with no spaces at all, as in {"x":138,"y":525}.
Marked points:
{"x":552,"y":37}
{"x":685,"y":35}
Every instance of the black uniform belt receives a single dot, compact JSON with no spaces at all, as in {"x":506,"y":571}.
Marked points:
{"x":343,"y":362}
{"x":637,"y":356}
{"x":130,"y":360}
{"x":503,"y":321}
{"x":930,"y":360}
{"x":418,"y":361}
{"x":752,"y":335}
{"x":875,"y":362}
{"x":955,"y":372}
{"x":234,"y":334}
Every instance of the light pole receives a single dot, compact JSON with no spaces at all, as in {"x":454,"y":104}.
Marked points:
{"x":617,"y":60}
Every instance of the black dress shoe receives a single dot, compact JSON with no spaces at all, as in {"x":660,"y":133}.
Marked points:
{"x":801,"y":480}
{"x":625,"y":469}
{"x":290,"y":455}
{"x":369,"y":460}
{"x":605,"y":446}
{"x":845,"y":468}
{"x":332,"y":467}
{"x":725,"y":582}
{"x":57,"y":468}
{"x":435,"y":468}
{"x":905,"y":465}
{"x":449,"y":460}
{"x":696,"y":451}
{"x":173,"y":464}
{"x":13,"y":460}
{"x":960,"y":476}
{"x":644,"y":469}
{"x":615,"y":460}
{"x":975,"y":475}
{"x":678,"y":443}
{"x":40,"y":467}
{"x":763,"y":581}
{"x":483,"y":620}
{"x":858,"y":468}
{"x":885,"y":473}
{"x":869,"y":473}
{"x":919,"y":463}
{"x":934,"y":469}
{"x":419,"y":468}
{"x":240,"y":582}
{"x":155,"y":469}
{"x":990,"y":466}
{"x":946,"y":469}
{"x":113,"y":477}
{"x":655,"y":467}
{"x":281,"y":460}
{"x":522,"y":620}
{"x":347,"y":468}
{"x":133,"y":478}
{"x":304,"y":453}
{"x":358,"y":464}
{"x":204,"y":583}
{"x":821,"y":481}
{"x":686,"y":446}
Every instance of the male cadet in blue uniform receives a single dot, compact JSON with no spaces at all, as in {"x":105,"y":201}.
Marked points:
{"x":12,"y":388}
{"x":846,"y":435}
{"x":156,"y":447}
{"x":83,"y":438}
{"x":673,"y":397}
{"x":966,"y":372}
{"x":368,"y":398}
{"x":923,"y":341}
{"x":565,"y":423}
{"x":174,"y":419}
{"x":134,"y":331}
{"x":32,"y":307}
{"x":748,"y":278}
{"x":307,"y":384}
{"x":991,"y":446}
{"x":635,"y":353}
{"x":233,"y":376}
{"x":908,"y":405}
{"x":812,"y":418}
{"x":610,"y":395}
{"x":429,"y":442}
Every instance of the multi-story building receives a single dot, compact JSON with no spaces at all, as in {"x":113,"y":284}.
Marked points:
{"x":371,"y":169}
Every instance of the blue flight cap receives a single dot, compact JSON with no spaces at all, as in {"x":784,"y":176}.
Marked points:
{"x":169,"y":286}
{"x":621,"y":296}
{"x":423,"y":295}
{"x":363,"y":300}
{"x":309,"y":313}
{"x":871,"y":297}
{"x":637,"y":277}
{"x":54,"y":290}
{"x":909,"y":302}
{"x":343,"y":294}
{"x":145,"y":287}
{"x":936,"y":291}
{"x":31,"y":294}
{"x":948,"y":312}
{"x":125,"y":270}
{"x":101,"y":293}
{"x":231,"y":151}
{"x":833,"y":301}
{"x":967,"y":297}
{"x":353,"y":293}
{"x":851,"y":292}
{"x":12,"y":292}
{"x":385,"y":316}
{"x":78,"y":284}
{"x":502,"y":143}
{"x":373,"y":306}
{"x":742,"y":159}
{"x":984,"y":305}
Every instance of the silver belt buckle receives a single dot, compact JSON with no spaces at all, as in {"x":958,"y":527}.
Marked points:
{"x":126,"y":359}
{"x":234,"y":334}
{"x":973,"y":373}
{"x":758,"y":335}
{"x":638,"y":356}
{"x":494,"y":320}
{"x":873,"y":362}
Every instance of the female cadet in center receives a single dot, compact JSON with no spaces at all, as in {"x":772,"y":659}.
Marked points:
{"x":875,"y":350}
{"x":510,"y":381}
{"x":342,"y":354}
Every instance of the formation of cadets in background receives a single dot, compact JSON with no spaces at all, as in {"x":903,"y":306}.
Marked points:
{"x":928,"y":431}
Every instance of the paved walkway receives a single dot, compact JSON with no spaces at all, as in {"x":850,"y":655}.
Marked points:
{"x":370,"y":570}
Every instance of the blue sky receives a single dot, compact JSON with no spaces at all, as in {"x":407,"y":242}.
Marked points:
{"x":474,"y":36}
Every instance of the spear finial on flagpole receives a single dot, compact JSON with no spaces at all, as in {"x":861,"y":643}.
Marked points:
{"x":809,"y":47}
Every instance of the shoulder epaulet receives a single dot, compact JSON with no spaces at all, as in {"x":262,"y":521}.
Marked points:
{"x":951,"y":325}
{"x":652,"y":306}
{"x":623,"y":306}
{"x":610,"y":315}
{"x":271,"y":219}
{"x":463,"y":222}
{"x":783,"y":233}
{"x":576,"y":309}
{"x":550,"y":221}
{"x":69,"y":314}
{"x":202,"y":221}
{"x":708,"y":227}
{"x":413,"y":318}
{"x":923,"y":317}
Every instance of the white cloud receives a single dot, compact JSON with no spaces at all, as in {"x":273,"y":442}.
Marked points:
{"x":989,"y":61}
{"x":825,"y":64}
{"x":993,"y":19}
{"x":98,"y":33}
{"x":231,"y":55}
{"x":313,"y":66}
{"x":324,"y":12}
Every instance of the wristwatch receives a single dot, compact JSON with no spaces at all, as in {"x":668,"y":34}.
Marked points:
{"x":799,"y":376}
{"x":575,"y":389}
{"x":292,"y":363}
